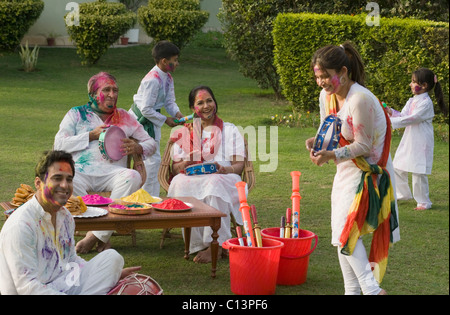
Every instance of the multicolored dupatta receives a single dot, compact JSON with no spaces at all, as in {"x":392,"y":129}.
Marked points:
{"x":373,"y":208}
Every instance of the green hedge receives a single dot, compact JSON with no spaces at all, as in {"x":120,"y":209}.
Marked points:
{"x":173,"y":20}
{"x":16,"y":17}
{"x":390,"y":51}
{"x":100,"y":25}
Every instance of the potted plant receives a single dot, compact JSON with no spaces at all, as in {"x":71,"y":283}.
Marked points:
{"x":124,"y":40}
{"x":51,"y":38}
{"x":132,"y":34}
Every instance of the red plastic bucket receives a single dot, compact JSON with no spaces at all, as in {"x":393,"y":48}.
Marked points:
{"x":253,"y":270}
{"x":294,"y":256}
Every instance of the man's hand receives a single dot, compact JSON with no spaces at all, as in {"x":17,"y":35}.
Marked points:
{"x":128,"y":271}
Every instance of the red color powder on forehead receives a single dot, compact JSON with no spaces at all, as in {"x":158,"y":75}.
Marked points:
{"x":65,"y":167}
{"x":202,"y":94}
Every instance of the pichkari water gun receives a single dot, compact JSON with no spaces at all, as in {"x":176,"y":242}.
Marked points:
{"x":184,"y":119}
{"x":295,"y":197}
{"x":288,"y":228}
{"x":256,"y":228}
{"x":245,"y":211}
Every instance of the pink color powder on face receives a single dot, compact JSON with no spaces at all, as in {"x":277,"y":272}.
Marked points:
{"x":335,"y":82}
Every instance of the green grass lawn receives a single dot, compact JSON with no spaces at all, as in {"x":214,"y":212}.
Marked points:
{"x":33,"y":104}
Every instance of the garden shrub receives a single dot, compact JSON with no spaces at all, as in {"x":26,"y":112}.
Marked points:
{"x":173,"y":20}
{"x":390,"y":51}
{"x":16,"y":17}
{"x":248,"y":24}
{"x":100,"y":25}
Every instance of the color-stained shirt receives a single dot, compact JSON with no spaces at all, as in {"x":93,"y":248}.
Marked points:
{"x":35,"y":257}
{"x":415,"y":151}
{"x":155,"y":92}
{"x":73,"y":137}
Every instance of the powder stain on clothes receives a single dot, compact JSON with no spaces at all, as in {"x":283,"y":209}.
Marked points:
{"x":83,"y":160}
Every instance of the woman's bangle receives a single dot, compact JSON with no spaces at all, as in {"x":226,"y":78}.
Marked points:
{"x":232,"y":168}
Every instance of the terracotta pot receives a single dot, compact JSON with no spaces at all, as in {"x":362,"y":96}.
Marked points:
{"x":50,"y":41}
{"x":124,"y":40}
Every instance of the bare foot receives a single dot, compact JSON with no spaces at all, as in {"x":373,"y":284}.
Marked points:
{"x":204,"y":256}
{"x":382,"y":292}
{"x":103,"y":246}
{"x":86,"y":244}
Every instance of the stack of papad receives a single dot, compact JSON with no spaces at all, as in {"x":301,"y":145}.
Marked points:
{"x":76,"y":205}
{"x":23,"y":194}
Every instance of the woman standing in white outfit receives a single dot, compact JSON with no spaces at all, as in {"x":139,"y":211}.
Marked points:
{"x":340,"y":73}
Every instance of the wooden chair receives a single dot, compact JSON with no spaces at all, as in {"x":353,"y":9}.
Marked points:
{"x":165,"y":171}
{"x":136,"y":162}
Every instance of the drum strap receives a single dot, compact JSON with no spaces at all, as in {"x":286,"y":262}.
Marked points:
{"x":147,"y":124}
{"x":373,"y":208}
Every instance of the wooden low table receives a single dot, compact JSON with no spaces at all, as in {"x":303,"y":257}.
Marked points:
{"x":200,"y":215}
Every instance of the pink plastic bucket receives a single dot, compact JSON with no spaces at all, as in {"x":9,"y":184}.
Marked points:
{"x":294,"y":256}
{"x":253,"y":270}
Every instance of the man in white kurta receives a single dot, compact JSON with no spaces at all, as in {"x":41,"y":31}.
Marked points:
{"x":415,"y":151}
{"x":78,"y":134}
{"x":37,"y":252}
{"x":73,"y":137}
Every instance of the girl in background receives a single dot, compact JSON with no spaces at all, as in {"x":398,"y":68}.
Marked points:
{"x":415,"y":151}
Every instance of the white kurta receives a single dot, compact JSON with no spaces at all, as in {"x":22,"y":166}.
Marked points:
{"x":415,"y":151}
{"x":216,"y":190}
{"x":36,"y":258}
{"x":155,"y":92}
{"x":364,"y":126}
{"x":73,"y":137}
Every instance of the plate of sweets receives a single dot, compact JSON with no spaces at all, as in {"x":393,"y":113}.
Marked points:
{"x":79,"y":209}
{"x":96,"y":200}
{"x":172,"y":205}
{"x":129,"y":208}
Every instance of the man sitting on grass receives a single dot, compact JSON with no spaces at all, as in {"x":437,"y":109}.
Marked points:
{"x":37,"y":245}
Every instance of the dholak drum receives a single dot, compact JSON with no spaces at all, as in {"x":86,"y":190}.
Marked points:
{"x":200,"y":169}
{"x":109,"y":143}
{"x":328,"y":134}
{"x":137,"y":284}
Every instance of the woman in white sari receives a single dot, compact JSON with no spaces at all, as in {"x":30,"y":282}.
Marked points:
{"x":208,"y":139}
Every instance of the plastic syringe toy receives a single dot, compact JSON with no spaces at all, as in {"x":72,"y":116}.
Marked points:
{"x":184,"y":119}
{"x":244,"y":208}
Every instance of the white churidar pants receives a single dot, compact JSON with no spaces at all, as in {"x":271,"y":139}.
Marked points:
{"x":420,"y":189}
{"x":357,"y":272}
{"x":152,"y":164}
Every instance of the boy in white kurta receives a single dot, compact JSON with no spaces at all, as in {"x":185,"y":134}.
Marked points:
{"x":155,"y":92}
{"x":37,"y":252}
